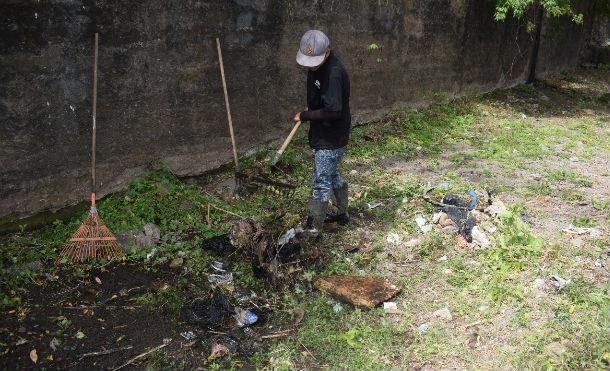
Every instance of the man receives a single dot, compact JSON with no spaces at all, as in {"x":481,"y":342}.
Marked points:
{"x":330,"y":120}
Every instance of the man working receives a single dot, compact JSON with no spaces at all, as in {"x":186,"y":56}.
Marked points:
{"x":330,"y":120}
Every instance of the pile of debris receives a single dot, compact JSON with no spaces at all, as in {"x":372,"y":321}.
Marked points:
{"x":459,"y":215}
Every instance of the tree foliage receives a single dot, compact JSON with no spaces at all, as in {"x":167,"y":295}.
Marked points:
{"x":553,"y":8}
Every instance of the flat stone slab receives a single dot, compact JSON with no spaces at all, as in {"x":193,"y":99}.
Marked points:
{"x":360,"y":291}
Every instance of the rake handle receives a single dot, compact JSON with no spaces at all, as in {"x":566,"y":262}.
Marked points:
{"x":224,"y":88}
{"x":93,"y":116}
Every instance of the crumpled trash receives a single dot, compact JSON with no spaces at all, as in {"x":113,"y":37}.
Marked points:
{"x":220,"y":279}
{"x":374,"y":204}
{"x":559,"y":283}
{"x":244,"y":297}
{"x":391,"y":307}
{"x":221,"y":245}
{"x":424,"y":227}
{"x":286,"y":237}
{"x":337,"y":307}
{"x":218,"y":266}
{"x":244,"y":317}
{"x":394,"y":239}
{"x":208,"y":311}
{"x":423,"y":328}
{"x":457,"y":210}
{"x":188,"y":335}
{"x":593,"y":232}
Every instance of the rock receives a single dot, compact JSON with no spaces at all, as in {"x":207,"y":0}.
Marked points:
{"x":450,"y":229}
{"x":218,"y":351}
{"x":153,"y":231}
{"x":141,"y":240}
{"x":444,"y":220}
{"x":359,"y":291}
{"x":496,"y":208}
{"x":479,"y":238}
{"x":413,"y":242}
{"x":483,"y":308}
{"x":536,"y":176}
{"x":436,"y":217}
{"x":443,"y":314}
{"x":539,"y":283}
{"x":442,"y":258}
{"x":353,"y":172}
{"x":461,"y":242}
{"x":556,"y":348}
{"x":34,"y":266}
{"x":578,"y":242}
{"x":478,"y":216}
{"x":447,"y":271}
{"x":176,"y":262}
{"x":394,"y":239}
{"x":559,"y":283}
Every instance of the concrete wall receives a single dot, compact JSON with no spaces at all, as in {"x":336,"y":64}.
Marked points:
{"x":160,"y":96}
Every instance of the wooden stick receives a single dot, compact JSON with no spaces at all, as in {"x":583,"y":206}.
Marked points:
{"x":103,"y":352}
{"x":278,"y":334}
{"x":142,"y":355}
{"x":224,"y":87}
{"x":225,"y":211}
{"x":208,"y":217}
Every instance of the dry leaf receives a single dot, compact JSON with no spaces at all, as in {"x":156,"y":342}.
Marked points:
{"x":97,"y":279}
{"x":33,"y":355}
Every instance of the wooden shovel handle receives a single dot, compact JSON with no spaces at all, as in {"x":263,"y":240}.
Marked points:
{"x":288,"y":139}
{"x":224,"y":88}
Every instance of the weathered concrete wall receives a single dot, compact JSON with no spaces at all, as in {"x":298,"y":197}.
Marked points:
{"x":160,"y":96}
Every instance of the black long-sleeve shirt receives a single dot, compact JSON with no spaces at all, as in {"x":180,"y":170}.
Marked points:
{"x":328,"y":91}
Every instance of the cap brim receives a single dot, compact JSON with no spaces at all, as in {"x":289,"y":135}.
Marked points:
{"x":307,"y":61}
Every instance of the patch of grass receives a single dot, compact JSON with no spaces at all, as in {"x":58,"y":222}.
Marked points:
{"x":584,"y":222}
{"x":562,"y":175}
{"x":167,"y":299}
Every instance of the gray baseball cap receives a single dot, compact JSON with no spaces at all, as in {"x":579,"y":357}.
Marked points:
{"x":313,"y":48}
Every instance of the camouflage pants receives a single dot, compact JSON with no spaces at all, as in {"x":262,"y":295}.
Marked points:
{"x":326,"y":174}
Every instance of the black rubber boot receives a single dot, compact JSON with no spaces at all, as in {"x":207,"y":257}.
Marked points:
{"x":342,"y":216}
{"x":315,"y":220}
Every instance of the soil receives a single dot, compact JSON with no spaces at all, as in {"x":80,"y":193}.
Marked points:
{"x":109,"y":317}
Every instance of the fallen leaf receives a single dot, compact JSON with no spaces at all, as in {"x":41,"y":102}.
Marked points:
{"x":79,"y":335}
{"x":97,"y":279}
{"x":33,"y":355}
{"x":21,"y":341}
{"x":50,"y":357}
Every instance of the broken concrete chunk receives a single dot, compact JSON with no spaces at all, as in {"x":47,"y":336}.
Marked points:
{"x":479,"y":238}
{"x":359,"y":291}
{"x":443,"y":314}
{"x":153,"y":231}
{"x":496,"y":209}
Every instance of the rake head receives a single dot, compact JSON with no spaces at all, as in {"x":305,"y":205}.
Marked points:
{"x":92,"y":240}
{"x":251,"y":184}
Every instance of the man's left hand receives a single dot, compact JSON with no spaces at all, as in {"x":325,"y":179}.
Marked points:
{"x":297,"y":117}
